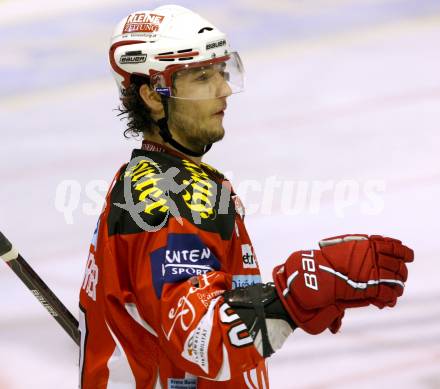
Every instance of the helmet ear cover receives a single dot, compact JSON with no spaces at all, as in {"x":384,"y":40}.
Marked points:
{"x":117,"y":69}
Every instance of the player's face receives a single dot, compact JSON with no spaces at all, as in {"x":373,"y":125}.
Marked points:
{"x":197,"y":116}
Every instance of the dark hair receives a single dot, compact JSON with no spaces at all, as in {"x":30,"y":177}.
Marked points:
{"x":134,"y":109}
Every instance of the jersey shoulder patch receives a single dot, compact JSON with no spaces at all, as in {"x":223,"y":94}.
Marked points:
{"x":156,"y":186}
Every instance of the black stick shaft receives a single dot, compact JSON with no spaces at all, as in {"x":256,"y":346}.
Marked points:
{"x":39,"y":289}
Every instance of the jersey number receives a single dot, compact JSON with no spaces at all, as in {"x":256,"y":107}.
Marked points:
{"x":238,"y":334}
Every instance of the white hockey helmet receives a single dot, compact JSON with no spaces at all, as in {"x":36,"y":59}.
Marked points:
{"x":170,"y":41}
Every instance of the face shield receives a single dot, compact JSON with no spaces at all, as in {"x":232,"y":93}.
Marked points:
{"x":210,"y":79}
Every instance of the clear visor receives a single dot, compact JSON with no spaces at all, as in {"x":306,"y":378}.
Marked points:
{"x":218,"y":77}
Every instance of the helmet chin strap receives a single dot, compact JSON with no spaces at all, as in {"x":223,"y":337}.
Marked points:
{"x":165,"y":134}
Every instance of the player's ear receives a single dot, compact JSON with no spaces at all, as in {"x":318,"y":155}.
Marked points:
{"x":152,"y":100}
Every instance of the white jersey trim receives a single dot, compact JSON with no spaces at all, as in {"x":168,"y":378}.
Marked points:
{"x":120,"y":374}
{"x":134,"y":313}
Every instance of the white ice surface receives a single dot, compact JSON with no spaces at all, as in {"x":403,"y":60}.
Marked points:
{"x":350,"y":90}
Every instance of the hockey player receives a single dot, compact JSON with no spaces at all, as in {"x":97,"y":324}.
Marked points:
{"x":172,"y":295}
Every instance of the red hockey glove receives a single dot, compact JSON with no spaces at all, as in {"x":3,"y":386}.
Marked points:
{"x":349,"y":271}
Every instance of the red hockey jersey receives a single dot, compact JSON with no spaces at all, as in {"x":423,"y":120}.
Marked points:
{"x":169,"y":242}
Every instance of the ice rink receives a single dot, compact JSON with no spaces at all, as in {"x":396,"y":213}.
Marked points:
{"x":338,"y":131}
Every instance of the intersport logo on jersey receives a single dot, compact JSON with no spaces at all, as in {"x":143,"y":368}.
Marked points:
{"x":184,"y":256}
{"x":187,"y":261}
{"x":142,"y":22}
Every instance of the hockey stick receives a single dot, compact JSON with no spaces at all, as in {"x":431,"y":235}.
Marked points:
{"x":39,"y":289}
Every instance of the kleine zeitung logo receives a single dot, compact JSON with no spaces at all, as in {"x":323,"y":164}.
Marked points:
{"x":142,"y":22}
